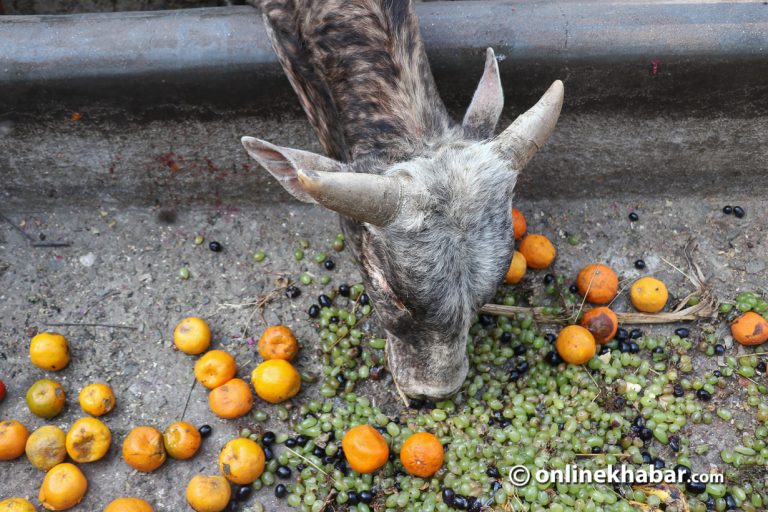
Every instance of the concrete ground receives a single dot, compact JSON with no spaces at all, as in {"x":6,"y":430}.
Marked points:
{"x":122,"y":269}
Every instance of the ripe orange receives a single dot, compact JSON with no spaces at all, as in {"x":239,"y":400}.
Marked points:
{"x":63,"y":487}
{"x":601,"y":322}
{"x":181,"y":440}
{"x":517,"y":268}
{"x":598,"y":283}
{"x":575,"y":344}
{"x":208,"y":493}
{"x":750,"y":329}
{"x":648,"y":295}
{"x":276,"y":381}
{"x":422,"y":455}
{"x":538,"y":251}
{"x":46,"y":447}
{"x":215,"y":369}
{"x":45,"y":398}
{"x":97,"y":399}
{"x":13,"y":439}
{"x":365,"y":448}
{"x":49,"y":351}
{"x":518,"y":222}
{"x":16,"y":505}
{"x":143,"y":449}
{"x":278,"y":342}
{"x":129,"y":505}
{"x":241,"y":461}
{"x":232,"y":400}
{"x":88,"y":440}
{"x":192,"y":336}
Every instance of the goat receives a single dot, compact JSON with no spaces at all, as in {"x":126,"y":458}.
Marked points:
{"x":424,"y":201}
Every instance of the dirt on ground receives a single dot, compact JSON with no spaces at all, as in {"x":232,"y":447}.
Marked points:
{"x":115,"y":291}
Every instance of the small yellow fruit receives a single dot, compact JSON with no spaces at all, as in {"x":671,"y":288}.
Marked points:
{"x":97,"y":399}
{"x":88,"y":440}
{"x":192,"y":336}
{"x":49,"y":351}
{"x":276,"y":381}
{"x":16,"y":505}
{"x":63,"y":487}
{"x":46,"y":447}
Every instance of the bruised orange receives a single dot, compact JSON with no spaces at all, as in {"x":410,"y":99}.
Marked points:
{"x":422,"y":454}
{"x":278,"y":342}
{"x":517,"y":268}
{"x":46,"y":447}
{"x":208,"y":493}
{"x":46,"y":398}
{"x":575,"y":344}
{"x":192,"y":336}
{"x":648,"y":295}
{"x":63,"y":487}
{"x":215,"y":369}
{"x":232,"y":400}
{"x":242,"y":461}
{"x":16,"y":505}
{"x":13,"y":439}
{"x":538,"y":251}
{"x":129,"y":505}
{"x":598,"y":283}
{"x":365,"y":448}
{"x":143,"y":449}
{"x":49,"y":351}
{"x":602,"y":323}
{"x":518,"y":223}
{"x":97,"y":399}
{"x":88,"y":440}
{"x":181,"y":440}
{"x":276,"y":381}
{"x":750,"y":329}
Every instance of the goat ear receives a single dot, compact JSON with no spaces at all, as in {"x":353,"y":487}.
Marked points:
{"x":484,"y":111}
{"x":285,"y":164}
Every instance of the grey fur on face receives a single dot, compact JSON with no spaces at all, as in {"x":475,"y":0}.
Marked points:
{"x":424,"y":202}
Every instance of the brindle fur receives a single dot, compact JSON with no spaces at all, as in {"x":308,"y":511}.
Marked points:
{"x":362,"y":76}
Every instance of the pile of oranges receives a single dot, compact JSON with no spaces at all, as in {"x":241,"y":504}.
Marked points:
{"x":275,"y":380}
{"x":598,"y":284}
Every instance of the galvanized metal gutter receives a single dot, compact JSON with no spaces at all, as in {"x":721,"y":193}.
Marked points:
{"x":661,"y":98}
{"x":601,"y":49}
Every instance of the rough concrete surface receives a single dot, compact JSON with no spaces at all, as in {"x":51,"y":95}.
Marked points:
{"x":134,"y":282}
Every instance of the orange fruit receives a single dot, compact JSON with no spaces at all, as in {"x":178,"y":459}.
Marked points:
{"x":181,"y":440}
{"x":575,"y":344}
{"x":16,"y":505}
{"x":517,"y":268}
{"x":241,"y":461}
{"x":13,"y":439}
{"x":49,"y":351}
{"x":88,"y":440}
{"x":192,"y":336}
{"x":278,"y":342}
{"x":601,"y":322}
{"x":129,"y":505}
{"x":276,"y":381}
{"x":598,"y":283}
{"x":538,"y":251}
{"x":422,"y":454}
{"x":648,"y":295}
{"x":518,"y":223}
{"x":365,"y":448}
{"x":63,"y":487}
{"x":143,"y":449}
{"x":97,"y":399}
{"x":45,"y":398}
{"x":750,"y":329}
{"x":208,"y":493}
{"x":46,"y":447}
{"x":232,"y":400}
{"x":215,"y":369}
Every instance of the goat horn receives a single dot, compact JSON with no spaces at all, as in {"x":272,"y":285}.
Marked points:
{"x":528,"y":133}
{"x":365,"y":197}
